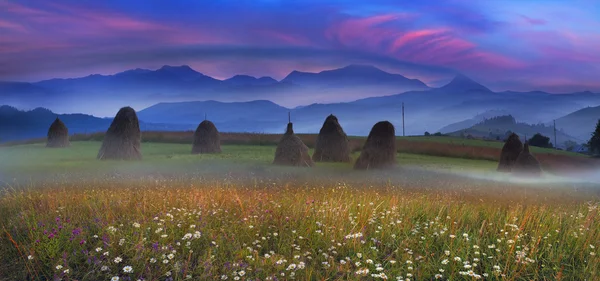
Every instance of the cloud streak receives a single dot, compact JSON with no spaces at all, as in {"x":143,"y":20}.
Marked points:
{"x":426,"y":39}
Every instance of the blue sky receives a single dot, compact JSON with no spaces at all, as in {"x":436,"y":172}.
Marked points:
{"x":509,"y":44}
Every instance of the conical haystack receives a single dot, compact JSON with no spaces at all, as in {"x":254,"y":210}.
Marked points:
{"x":291,"y":151}
{"x":206,"y":139}
{"x":58,"y":134}
{"x":510,"y":151}
{"x":332,"y":143}
{"x":379,"y":152}
{"x":123,"y":137}
{"x":526,"y":164}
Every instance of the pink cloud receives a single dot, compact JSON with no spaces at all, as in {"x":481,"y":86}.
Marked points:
{"x":20,"y":10}
{"x":283,"y":37}
{"x":393,"y":35}
{"x":11,"y":26}
{"x":412,"y":36}
{"x":368,"y":31}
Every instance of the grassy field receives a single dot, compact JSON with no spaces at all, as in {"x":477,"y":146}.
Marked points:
{"x":555,"y":161}
{"x":233,"y":216}
{"x":28,"y":161}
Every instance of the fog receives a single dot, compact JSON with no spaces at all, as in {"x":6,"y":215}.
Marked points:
{"x":243,"y":174}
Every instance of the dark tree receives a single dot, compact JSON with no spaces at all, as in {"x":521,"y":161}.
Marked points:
{"x":540,"y":140}
{"x":594,"y":143}
{"x":427,"y":134}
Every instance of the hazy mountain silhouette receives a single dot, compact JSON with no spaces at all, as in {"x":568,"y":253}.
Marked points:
{"x":18,"y":125}
{"x":165,"y":93}
{"x":580,"y":123}
{"x":353,"y":75}
{"x":463,"y":83}
{"x":143,"y":87}
{"x":246,"y":80}
{"x":499,"y":126}
{"x":218,"y":112}
{"x":471,"y":122}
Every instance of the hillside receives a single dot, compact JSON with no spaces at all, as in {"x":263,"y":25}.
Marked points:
{"x":499,"y":127}
{"x":19,"y":125}
{"x":580,"y":123}
{"x":472,"y":121}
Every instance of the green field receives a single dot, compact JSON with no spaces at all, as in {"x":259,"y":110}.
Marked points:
{"x":483,"y":143}
{"x":234,"y":216}
{"x":35,"y":160}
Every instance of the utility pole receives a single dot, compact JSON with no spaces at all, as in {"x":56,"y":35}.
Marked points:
{"x":403,"y":119}
{"x":204,"y":116}
{"x":555,"y":144}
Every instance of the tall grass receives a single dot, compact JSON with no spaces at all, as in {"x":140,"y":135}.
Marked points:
{"x":282,"y":230}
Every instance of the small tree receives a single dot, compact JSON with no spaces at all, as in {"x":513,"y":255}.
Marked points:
{"x":594,"y":143}
{"x":540,"y":140}
{"x":427,"y":134}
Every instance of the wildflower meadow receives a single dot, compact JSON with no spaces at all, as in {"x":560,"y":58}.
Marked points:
{"x":214,"y":231}
{"x":234,"y":216}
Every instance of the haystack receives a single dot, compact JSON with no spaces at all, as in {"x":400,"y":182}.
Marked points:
{"x":206,"y":139}
{"x":58,"y":134}
{"x":510,"y":151}
{"x":332,"y":143}
{"x":526,"y":164}
{"x":291,"y":151}
{"x":379,"y":152}
{"x":123,"y":137}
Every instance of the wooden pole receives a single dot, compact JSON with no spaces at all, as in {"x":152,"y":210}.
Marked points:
{"x":555,"y":144}
{"x":403,"y":119}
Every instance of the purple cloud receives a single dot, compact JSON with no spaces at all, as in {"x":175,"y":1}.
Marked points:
{"x":425,"y":39}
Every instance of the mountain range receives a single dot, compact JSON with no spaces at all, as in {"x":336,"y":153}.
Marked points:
{"x":180,"y":97}
{"x":142,"y":88}
{"x":19,"y":125}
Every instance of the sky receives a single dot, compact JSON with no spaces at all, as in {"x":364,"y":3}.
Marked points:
{"x":521,"y":45}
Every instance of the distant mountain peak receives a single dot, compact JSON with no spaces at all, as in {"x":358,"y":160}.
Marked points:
{"x":361,"y":67}
{"x":267,"y":78}
{"x":358,"y":69}
{"x":42,"y":110}
{"x":131,"y":71}
{"x":240,"y":80}
{"x":180,"y":67}
{"x":463,"y":83}
{"x":184,"y":72}
{"x":238,"y":76}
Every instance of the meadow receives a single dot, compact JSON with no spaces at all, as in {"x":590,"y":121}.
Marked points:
{"x":234,"y":216}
